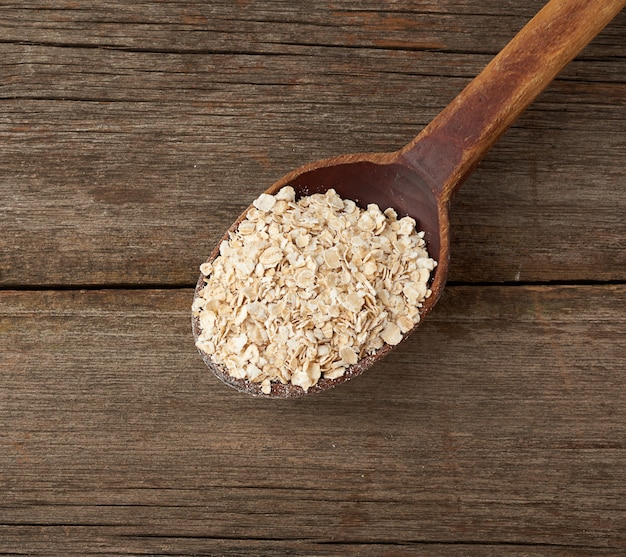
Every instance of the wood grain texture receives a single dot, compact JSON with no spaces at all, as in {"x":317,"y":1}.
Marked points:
{"x":133,"y":136}
{"x":495,"y":430}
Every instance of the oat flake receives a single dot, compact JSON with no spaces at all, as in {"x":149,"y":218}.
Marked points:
{"x":304,"y":289}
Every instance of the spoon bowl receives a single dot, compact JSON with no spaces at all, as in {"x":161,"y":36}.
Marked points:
{"x":378,"y":178}
{"x":420,"y":179}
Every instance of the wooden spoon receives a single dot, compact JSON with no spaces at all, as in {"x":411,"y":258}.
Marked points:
{"x":420,"y":179}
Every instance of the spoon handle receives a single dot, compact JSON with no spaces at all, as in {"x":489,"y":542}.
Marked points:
{"x":449,"y":148}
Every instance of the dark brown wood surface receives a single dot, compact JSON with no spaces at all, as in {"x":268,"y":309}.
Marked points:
{"x":132,"y":135}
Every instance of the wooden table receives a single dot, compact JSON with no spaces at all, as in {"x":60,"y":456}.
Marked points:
{"x":133,"y":133}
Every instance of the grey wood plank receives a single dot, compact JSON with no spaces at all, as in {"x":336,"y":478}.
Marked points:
{"x":500,"y":424}
{"x":115,"y":541}
{"x":123,"y":164}
{"x":264,"y":26}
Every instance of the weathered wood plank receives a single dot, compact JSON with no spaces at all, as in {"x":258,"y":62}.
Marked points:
{"x":114,"y":541}
{"x":501,"y":424}
{"x":262,"y":27}
{"x":125,"y":166}
{"x":271,"y":25}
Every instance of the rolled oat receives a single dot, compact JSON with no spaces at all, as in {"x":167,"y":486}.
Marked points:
{"x":305,"y":288}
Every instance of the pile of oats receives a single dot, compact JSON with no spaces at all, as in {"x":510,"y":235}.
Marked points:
{"x":303,"y":289}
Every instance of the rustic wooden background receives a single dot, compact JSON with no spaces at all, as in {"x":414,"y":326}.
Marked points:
{"x":133,"y":133}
